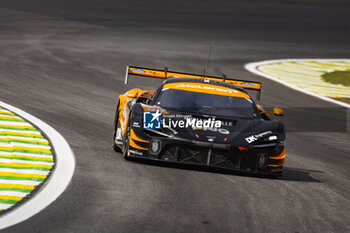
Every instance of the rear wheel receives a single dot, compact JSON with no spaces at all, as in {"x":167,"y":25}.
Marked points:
{"x":126,"y":143}
{"x":117,"y":131}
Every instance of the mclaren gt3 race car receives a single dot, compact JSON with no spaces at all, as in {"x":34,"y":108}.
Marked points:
{"x":190,"y":118}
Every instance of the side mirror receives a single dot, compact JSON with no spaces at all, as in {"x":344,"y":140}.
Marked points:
{"x":131,"y":95}
{"x":278,"y":112}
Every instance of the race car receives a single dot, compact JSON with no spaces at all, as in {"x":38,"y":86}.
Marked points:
{"x":199,"y":119}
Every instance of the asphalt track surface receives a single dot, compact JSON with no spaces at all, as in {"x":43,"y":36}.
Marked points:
{"x":64,"y":62}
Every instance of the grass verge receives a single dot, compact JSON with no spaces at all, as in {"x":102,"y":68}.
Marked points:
{"x":337,"y":77}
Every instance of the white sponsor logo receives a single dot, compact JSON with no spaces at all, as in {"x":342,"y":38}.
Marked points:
{"x":194,"y":123}
{"x":223,"y":131}
{"x":135,"y":152}
{"x":136,"y":124}
{"x":251,"y":139}
{"x":255,"y":137}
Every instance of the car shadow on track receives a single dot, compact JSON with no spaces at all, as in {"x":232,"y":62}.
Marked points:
{"x":289,"y":173}
{"x":296,"y":174}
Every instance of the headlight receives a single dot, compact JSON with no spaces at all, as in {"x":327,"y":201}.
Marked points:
{"x":268,"y":139}
{"x":267,"y":143}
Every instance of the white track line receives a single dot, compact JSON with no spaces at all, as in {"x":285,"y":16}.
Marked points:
{"x":23,"y":138}
{"x":24,"y":182}
{"x":12,"y":160}
{"x":56,"y":183}
{"x":14,"y":123}
{"x":13,"y":193}
{"x":23,"y":145}
{"x":25,"y":154}
{"x":5,"y":206}
{"x":252,"y":67}
{"x":24,"y":171}
{"x":21,"y":131}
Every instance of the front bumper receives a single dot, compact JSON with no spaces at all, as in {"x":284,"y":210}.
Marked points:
{"x":213,"y":155}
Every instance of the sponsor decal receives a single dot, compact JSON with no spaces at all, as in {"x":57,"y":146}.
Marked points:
{"x":223,"y":131}
{"x":135,"y":152}
{"x":255,"y":137}
{"x":247,"y":85}
{"x":195,"y":123}
{"x":138,"y":70}
{"x":211,"y":138}
{"x":227,"y":123}
{"x":136,"y":124}
{"x":152,"y":120}
{"x":156,"y":120}
{"x":213,"y":88}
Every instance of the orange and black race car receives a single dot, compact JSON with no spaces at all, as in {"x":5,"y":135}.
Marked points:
{"x":199,"y":119}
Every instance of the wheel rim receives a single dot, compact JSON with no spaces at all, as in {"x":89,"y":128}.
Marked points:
{"x":116,"y":120}
{"x":126,"y":144}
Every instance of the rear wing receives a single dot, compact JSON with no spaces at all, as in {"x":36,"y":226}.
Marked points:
{"x":165,"y":74}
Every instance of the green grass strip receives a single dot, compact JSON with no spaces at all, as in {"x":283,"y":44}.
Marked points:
{"x":16,"y":120}
{"x":26,"y":151}
{"x":28,"y":168}
{"x":8,"y":201}
{"x":15,"y":128}
{"x":32,"y":152}
{"x":338,"y":77}
{"x":23,"y":141}
{"x":22,"y":178}
{"x":7,"y":113}
{"x":18,"y":135}
{"x":16,"y":189}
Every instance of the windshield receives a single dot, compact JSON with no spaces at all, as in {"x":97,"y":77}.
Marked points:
{"x":196,"y":102}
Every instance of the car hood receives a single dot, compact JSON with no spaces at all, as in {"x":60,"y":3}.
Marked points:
{"x":231,"y":130}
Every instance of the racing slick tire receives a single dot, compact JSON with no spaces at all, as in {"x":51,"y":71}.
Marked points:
{"x":116,"y":127}
{"x":126,"y":142}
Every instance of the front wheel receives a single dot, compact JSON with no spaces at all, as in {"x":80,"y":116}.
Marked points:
{"x":126,"y":142}
{"x":117,"y":131}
